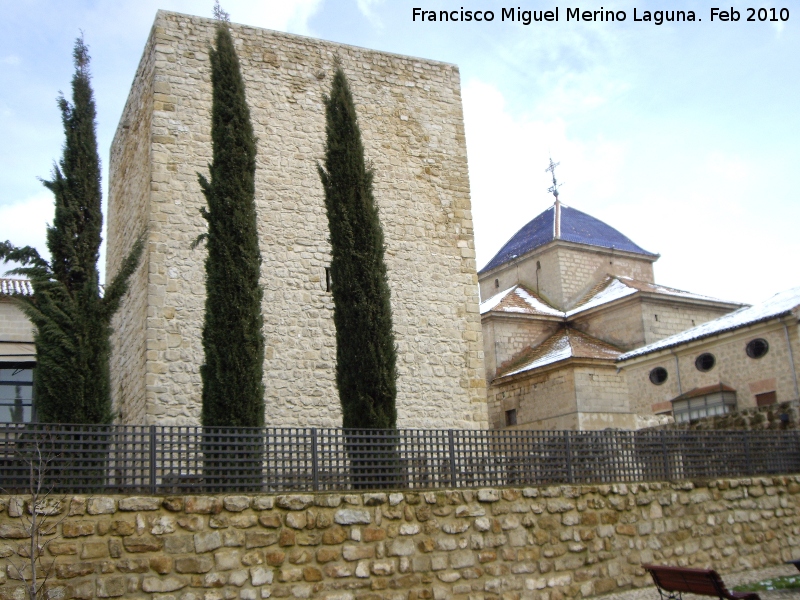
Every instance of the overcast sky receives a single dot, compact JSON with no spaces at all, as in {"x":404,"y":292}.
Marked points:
{"x":684,"y":136}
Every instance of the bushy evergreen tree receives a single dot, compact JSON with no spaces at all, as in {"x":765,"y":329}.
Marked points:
{"x":72,"y":318}
{"x":365,"y":348}
{"x":233,"y":390}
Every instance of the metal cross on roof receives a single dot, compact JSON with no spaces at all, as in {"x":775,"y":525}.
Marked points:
{"x":552,"y":169}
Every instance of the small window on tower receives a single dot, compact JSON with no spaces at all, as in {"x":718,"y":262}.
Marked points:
{"x":327,"y":279}
{"x":511,"y":417}
{"x":497,"y":283}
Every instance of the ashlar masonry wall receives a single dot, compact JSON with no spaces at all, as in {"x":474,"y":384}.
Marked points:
{"x":775,"y":372}
{"x":564,"y":272}
{"x":14,"y":325}
{"x":549,"y":543}
{"x":412,"y":125}
{"x":581,"y":396}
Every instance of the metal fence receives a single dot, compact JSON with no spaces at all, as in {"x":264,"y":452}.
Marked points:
{"x":172,"y":459}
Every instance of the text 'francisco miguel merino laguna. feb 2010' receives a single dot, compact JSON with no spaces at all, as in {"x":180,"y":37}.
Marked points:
{"x":655,"y":17}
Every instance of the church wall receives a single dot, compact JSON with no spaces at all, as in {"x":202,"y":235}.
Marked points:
{"x":581,"y":269}
{"x":538,"y":272}
{"x":620,"y":326}
{"x":510,"y":336}
{"x":412,"y":126}
{"x":665,"y":318}
{"x":542,"y":401}
{"x":601,"y":389}
{"x":566,"y":272}
{"x":134,"y":342}
{"x":602,"y":399}
{"x":14,"y":325}
{"x":733,"y":367}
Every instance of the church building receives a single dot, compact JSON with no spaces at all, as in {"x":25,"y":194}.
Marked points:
{"x":562,"y":300}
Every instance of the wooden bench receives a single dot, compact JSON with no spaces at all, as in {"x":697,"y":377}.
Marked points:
{"x":672,"y":582}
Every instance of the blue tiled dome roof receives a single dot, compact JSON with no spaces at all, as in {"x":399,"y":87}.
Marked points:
{"x":576,"y":226}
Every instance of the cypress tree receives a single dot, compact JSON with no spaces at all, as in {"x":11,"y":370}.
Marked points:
{"x":72,"y":318}
{"x":233,"y":391}
{"x":365,"y":348}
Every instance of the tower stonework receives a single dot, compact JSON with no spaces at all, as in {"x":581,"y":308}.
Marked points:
{"x":411,"y":120}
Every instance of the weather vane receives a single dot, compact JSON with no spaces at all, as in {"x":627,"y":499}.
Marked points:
{"x":552,"y":169}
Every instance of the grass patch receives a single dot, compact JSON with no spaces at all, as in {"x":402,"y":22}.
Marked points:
{"x":789,"y":582}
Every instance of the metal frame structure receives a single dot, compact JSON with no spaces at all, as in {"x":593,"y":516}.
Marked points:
{"x":178,"y":459}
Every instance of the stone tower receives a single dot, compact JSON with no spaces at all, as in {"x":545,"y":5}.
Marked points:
{"x":411,"y":120}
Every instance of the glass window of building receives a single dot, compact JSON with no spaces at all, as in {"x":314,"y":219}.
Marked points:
{"x":16,"y":392}
{"x":704,"y":402}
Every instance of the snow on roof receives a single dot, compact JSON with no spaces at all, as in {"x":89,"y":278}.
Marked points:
{"x":645,"y":286}
{"x":611,"y":289}
{"x":567,"y":343}
{"x":519,"y":299}
{"x":10,"y":287}
{"x":779,"y":305}
{"x":616,"y":287}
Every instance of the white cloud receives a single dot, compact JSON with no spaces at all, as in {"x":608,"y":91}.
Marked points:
{"x":508,"y":156}
{"x":282,"y":15}
{"x":709,"y":212}
{"x":367,"y":8}
{"x":25,"y":224}
{"x":11,"y":59}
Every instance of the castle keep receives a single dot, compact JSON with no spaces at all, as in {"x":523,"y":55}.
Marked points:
{"x":411,"y":120}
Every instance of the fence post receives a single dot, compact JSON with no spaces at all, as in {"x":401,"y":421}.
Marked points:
{"x":314,"y":463}
{"x":665,"y":453}
{"x":152,"y":459}
{"x":568,"y":442}
{"x":452,"y":444}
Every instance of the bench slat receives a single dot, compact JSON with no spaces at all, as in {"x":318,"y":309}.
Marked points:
{"x":706,"y":582}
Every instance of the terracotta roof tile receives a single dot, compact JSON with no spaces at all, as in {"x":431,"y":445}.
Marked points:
{"x":704,"y":391}
{"x":521,"y":300}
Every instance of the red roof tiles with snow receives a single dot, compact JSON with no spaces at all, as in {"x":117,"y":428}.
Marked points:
{"x":563,"y":345}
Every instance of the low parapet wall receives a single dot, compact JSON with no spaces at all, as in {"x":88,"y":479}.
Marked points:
{"x":550,"y":543}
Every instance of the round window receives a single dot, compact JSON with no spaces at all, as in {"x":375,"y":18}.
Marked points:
{"x":705,"y":362}
{"x":757,"y":348}
{"x":658,"y":375}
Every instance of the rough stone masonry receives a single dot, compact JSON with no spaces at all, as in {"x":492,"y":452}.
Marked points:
{"x":549,"y":543}
{"x":411,"y":119}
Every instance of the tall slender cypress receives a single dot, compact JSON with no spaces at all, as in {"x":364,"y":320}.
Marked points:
{"x":365,"y":347}
{"x":72,"y":319}
{"x":233,"y":390}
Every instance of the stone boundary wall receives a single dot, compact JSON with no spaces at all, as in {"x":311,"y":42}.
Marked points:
{"x":550,"y":543}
